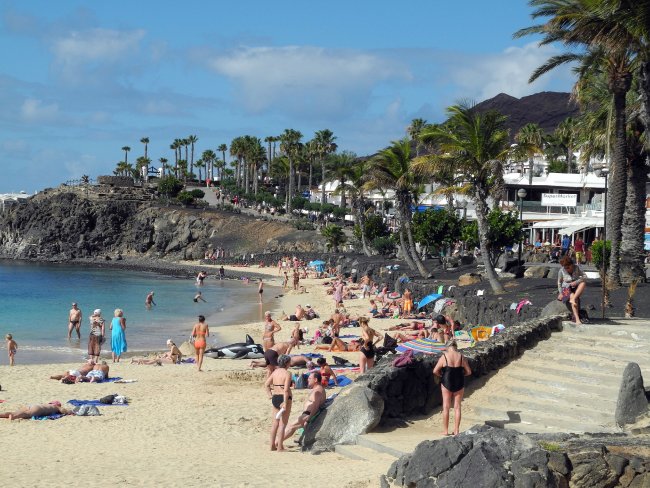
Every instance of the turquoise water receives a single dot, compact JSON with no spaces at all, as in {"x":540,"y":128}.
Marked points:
{"x":35,"y":300}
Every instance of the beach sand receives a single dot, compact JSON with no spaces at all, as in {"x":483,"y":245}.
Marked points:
{"x":182,"y":427}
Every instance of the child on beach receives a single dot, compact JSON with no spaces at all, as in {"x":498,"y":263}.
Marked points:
{"x":12,"y":347}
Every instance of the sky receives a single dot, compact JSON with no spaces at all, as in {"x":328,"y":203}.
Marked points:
{"x":79,"y":80}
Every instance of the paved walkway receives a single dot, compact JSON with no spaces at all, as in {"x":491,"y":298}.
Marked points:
{"x":568,"y":383}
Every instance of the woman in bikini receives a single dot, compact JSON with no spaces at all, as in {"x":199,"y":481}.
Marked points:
{"x":199,"y":334}
{"x":278,"y":386}
{"x":452,"y":367}
{"x":270,"y":328}
{"x":369,"y":337}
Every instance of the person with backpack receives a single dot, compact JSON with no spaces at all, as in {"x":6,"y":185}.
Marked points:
{"x":452,"y":367}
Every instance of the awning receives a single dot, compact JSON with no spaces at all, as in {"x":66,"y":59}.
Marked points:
{"x":570,"y":225}
{"x":573,"y":229}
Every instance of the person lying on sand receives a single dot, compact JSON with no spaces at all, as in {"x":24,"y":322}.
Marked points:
{"x":338,"y":345}
{"x":98,"y":374}
{"x":43,"y":410}
{"x":294,"y":362}
{"x":83,"y":370}
{"x":413,"y":325}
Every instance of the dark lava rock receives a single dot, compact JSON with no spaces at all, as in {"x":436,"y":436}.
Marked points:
{"x":632,"y":401}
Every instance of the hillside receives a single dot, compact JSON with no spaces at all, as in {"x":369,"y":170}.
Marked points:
{"x":547,"y":109}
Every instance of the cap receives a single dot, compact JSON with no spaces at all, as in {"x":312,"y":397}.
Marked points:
{"x":74,"y":304}
{"x":97,"y":311}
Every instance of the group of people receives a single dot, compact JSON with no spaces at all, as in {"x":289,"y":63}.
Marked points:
{"x":97,"y":336}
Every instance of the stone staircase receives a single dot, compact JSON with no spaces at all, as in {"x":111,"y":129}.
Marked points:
{"x":568,"y":383}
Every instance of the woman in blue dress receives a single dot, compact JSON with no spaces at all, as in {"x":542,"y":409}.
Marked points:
{"x":118,"y":337}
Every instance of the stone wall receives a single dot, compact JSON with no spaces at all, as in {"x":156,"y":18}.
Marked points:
{"x":123,"y":181}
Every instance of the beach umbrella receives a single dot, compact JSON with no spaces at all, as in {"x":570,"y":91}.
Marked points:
{"x":425,"y":346}
{"x":428,"y":299}
{"x":316,"y":263}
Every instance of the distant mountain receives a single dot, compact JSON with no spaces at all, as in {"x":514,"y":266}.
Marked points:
{"x":547,"y":109}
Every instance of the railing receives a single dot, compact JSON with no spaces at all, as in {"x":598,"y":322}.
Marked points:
{"x":80,"y":182}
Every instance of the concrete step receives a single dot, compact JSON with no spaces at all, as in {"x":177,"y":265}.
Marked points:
{"x":544,"y":421}
{"x":612,"y":361}
{"x":374,"y":442}
{"x":363,"y":453}
{"x":565,"y":388}
{"x":584,"y":375}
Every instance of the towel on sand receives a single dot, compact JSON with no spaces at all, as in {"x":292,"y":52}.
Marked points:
{"x":342,"y":381}
{"x":97,"y":403}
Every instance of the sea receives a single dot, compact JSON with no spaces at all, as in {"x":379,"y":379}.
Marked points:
{"x":35,"y":300}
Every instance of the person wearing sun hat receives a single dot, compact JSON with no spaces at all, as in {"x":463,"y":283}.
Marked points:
{"x":96,"y":337}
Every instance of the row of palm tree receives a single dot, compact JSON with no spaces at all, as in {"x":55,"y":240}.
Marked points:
{"x":610,"y":42}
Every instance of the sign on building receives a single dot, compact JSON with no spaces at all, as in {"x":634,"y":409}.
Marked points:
{"x":559,"y":200}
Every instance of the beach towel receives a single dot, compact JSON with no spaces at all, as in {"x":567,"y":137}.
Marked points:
{"x":310,"y":355}
{"x":54,"y":416}
{"x":342,"y":381}
{"x":349,"y":336}
{"x":481,"y":333}
{"x":96,"y":403}
{"x":422,"y":346}
{"x":125,"y":381}
{"x":188,"y":361}
{"x":109,"y":380}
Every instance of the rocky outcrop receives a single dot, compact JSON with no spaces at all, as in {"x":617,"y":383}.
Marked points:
{"x":86,"y":222}
{"x":488,"y":456}
{"x":632,"y":401}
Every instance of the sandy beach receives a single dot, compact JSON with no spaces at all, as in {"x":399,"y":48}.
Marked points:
{"x":181,"y":427}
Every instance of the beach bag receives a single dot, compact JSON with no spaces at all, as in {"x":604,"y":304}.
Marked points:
{"x":584,"y":316}
{"x":404,"y":360}
{"x":86,"y":410}
{"x":108,"y":399}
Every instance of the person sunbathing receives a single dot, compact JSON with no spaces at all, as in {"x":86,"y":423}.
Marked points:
{"x":173,"y":356}
{"x":338,"y":345}
{"x":299,"y":361}
{"x":30,"y":411}
{"x":406,"y":337}
{"x":413,"y":325}
{"x":83,"y":370}
{"x":98,"y":374}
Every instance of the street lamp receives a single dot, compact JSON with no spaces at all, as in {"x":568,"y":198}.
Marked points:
{"x":521,"y":193}
{"x":604,"y":172}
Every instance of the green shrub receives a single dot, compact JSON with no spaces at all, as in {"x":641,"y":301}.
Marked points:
{"x":169,"y":186}
{"x":597,"y":253}
{"x":196,"y":193}
{"x":339,"y":212}
{"x":383,"y":245}
{"x":298,"y":203}
{"x":185,"y":198}
{"x":304,"y":224}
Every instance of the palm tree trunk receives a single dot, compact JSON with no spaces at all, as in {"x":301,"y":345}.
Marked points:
{"x":632,"y":231}
{"x":405,"y":249}
{"x":311,"y":167}
{"x":617,"y":185}
{"x":322,"y":193}
{"x":404,"y":212}
{"x":481,"y":220}
{"x":358,"y":205}
{"x":290,"y":188}
{"x":644,"y":95}
{"x":530,"y":171}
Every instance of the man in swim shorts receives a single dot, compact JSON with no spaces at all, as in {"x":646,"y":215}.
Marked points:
{"x":74,"y":321}
{"x":98,"y":374}
{"x":83,"y":370}
{"x":312,"y":405}
{"x":148,"y":302}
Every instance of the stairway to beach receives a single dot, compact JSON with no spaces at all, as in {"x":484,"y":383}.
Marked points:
{"x":568,"y":383}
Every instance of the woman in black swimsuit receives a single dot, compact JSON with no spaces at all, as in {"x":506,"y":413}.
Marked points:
{"x":452,"y":367}
{"x":369,"y":337}
{"x":278,"y":385}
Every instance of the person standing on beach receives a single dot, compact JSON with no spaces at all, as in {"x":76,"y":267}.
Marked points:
{"x":199,"y":334}
{"x":96,"y":337}
{"x":74,"y":321}
{"x":452,"y":367}
{"x":148,"y":302}
{"x":118,"y":338}
{"x":222,"y":272}
{"x":12,"y":347}
{"x":285,"y":283}
{"x":296,"y":278}
{"x":278,"y":386}
{"x":260,"y":289}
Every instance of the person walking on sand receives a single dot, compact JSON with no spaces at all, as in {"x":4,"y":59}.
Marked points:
{"x":278,"y":386}
{"x":270,"y":328}
{"x":199,"y":334}
{"x":12,"y":347}
{"x":118,"y":337}
{"x":74,"y":321}
{"x":260,"y":289}
{"x":148,"y":302}
{"x":96,"y":337}
{"x":452,"y":367}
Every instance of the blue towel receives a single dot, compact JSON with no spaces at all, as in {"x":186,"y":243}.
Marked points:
{"x":342,"y":381}
{"x":349,"y":336}
{"x":109,"y":380}
{"x":49,"y":417}
{"x":97,"y":403}
{"x":311,"y":355}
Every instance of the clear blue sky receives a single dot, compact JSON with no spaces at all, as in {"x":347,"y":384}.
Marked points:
{"x":79,"y":79}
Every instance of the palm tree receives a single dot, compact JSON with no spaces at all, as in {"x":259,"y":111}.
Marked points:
{"x":334,"y":236}
{"x":200,"y":164}
{"x":391,"y":168}
{"x":223,"y":148}
{"x":126,"y":150}
{"x":340,"y":169}
{"x":192,"y":139}
{"x":354,"y":184}
{"x":163,"y":165}
{"x":599,"y":26}
{"x":474,"y":144}
{"x":567,"y":133}
{"x":269,"y":140}
{"x":237,"y":149}
{"x":529,"y":140}
{"x":325,"y":143}
{"x":291,"y":146}
{"x":209,"y":156}
{"x":414,"y":130}
{"x":311,"y":149}
{"x":145,"y":141}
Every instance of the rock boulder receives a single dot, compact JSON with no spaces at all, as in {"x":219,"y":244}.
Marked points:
{"x":631,"y":401}
{"x":536,"y":272}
